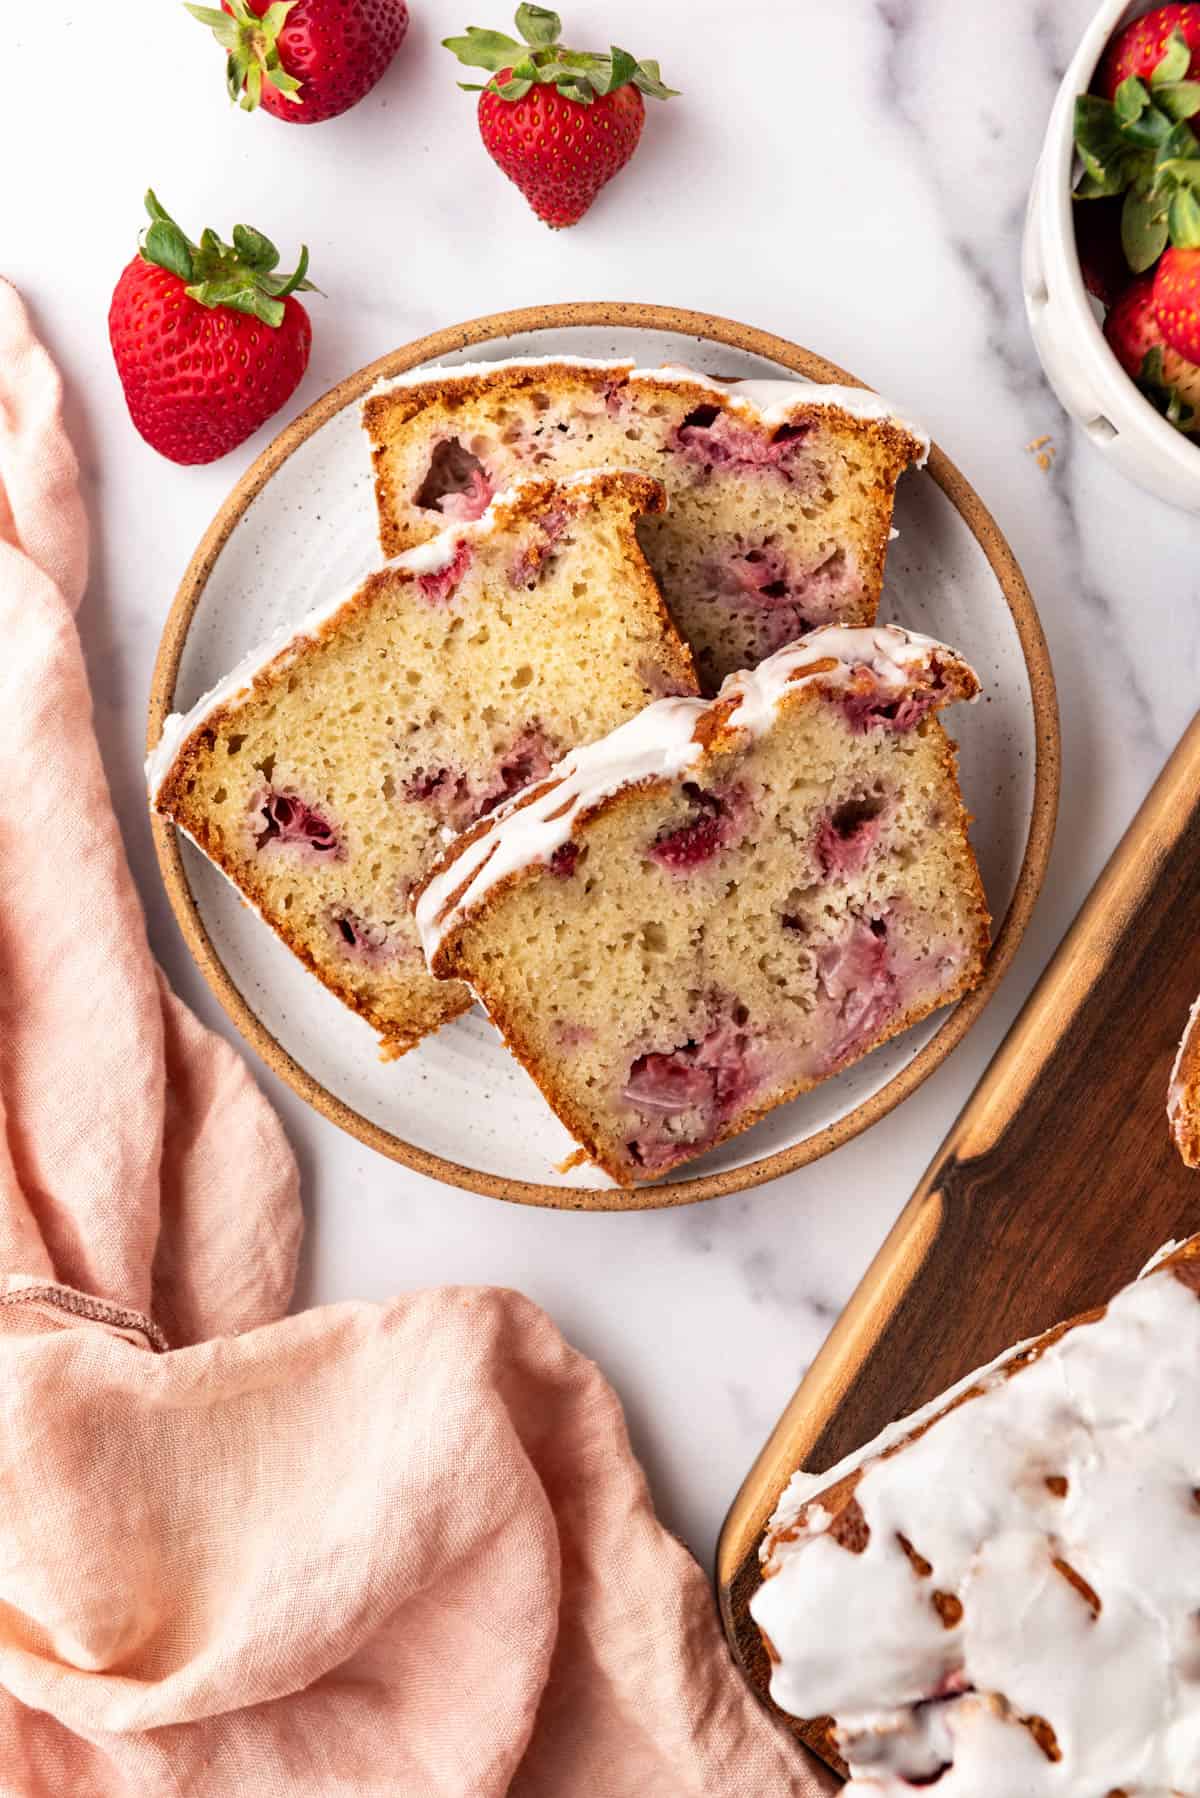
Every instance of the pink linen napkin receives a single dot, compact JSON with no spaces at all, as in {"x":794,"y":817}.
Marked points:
{"x":399,"y":1549}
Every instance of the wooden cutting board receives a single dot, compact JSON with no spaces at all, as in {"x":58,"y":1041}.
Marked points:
{"x":1054,"y":1187}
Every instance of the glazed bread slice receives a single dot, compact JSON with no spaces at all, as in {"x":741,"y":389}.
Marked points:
{"x":719,"y":906}
{"x":323,"y":776}
{"x":1183,"y":1093}
{"x":997,"y":1596}
{"x":780,"y":492}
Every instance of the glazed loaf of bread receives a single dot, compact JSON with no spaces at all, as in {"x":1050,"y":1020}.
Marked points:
{"x":999,"y":1596}
{"x":780,"y":492}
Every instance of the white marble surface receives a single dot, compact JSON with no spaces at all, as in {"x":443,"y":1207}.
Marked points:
{"x":849,"y":173}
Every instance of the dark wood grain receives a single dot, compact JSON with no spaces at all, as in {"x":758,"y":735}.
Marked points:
{"x":1057,"y":1182}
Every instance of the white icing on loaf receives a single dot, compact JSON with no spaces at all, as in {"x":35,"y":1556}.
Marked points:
{"x":1079,"y":1601}
{"x":426,"y":558}
{"x":659,"y":744}
{"x":656,"y":744}
{"x":769,"y":402}
{"x":894,"y":656}
{"x":803,"y":1486}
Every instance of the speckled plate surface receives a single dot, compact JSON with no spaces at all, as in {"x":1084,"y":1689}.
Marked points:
{"x":458,"y":1108}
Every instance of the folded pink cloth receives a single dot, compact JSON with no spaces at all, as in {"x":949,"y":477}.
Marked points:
{"x":399,"y":1549}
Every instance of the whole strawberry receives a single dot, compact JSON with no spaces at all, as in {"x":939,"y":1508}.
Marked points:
{"x":1170,"y":382}
{"x":559,"y":122}
{"x":208,"y":341}
{"x":1177,"y":279}
{"x":1140,"y":48}
{"x":304,"y":60}
{"x":1177,"y":301}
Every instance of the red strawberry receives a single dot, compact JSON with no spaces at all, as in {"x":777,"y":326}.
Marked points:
{"x":305,"y":60}
{"x":558,"y":154}
{"x":1131,"y":327}
{"x":208,"y":342}
{"x":1177,"y":301}
{"x":1140,"y":48}
{"x":559,"y":122}
{"x":1135,"y":336}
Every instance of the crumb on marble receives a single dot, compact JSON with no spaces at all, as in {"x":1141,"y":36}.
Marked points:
{"x":1043,"y":451}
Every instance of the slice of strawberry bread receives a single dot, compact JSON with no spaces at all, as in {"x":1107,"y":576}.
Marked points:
{"x":325,"y":774}
{"x":718,"y":906}
{"x":780,"y":492}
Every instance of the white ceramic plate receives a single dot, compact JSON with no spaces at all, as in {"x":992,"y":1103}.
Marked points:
{"x":458,"y":1106}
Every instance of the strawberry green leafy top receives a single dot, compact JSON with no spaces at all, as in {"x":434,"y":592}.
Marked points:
{"x":1141,"y":144}
{"x":580,"y":75}
{"x":239,"y":275}
{"x":252,"y":46}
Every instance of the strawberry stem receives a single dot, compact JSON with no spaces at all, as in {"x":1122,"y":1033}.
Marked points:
{"x":542,"y":60}
{"x":251,"y":44}
{"x":1162,"y":396}
{"x":240,"y":275}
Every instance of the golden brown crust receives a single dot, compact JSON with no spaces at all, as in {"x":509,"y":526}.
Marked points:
{"x":529,"y":498}
{"x":172,"y":798}
{"x":394,"y":406}
{"x":387,"y":413}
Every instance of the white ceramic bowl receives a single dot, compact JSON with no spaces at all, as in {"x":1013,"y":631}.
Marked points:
{"x":1065,"y":321}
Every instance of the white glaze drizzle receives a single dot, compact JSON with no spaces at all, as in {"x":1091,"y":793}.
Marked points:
{"x":769,"y":402}
{"x":656,"y":745}
{"x":426,"y":558}
{"x":892,"y":655}
{"x":1113,"y":1408}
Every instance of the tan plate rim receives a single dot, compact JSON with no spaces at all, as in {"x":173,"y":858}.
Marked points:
{"x":703,"y":326}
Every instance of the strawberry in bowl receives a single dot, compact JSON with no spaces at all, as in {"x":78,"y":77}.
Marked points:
{"x":209,"y":341}
{"x":1135,"y":336}
{"x":1137,"y":204}
{"x":1139,"y":49}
